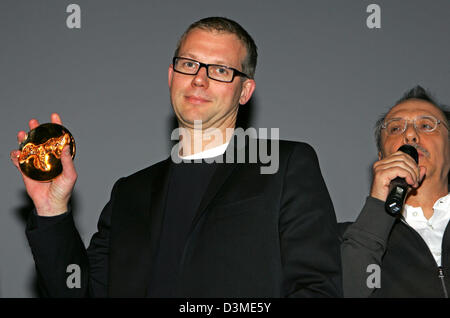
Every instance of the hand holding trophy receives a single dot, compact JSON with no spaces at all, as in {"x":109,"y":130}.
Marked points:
{"x":45,"y":161}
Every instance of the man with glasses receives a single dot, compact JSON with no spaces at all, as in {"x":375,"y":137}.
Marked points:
{"x":406,"y":255}
{"x":198,"y":229}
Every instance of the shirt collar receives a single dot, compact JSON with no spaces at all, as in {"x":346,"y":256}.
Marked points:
{"x":442,"y":205}
{"x":209,"y":153}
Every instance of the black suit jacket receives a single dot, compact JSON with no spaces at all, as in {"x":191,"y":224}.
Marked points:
{"x":254,"y":235}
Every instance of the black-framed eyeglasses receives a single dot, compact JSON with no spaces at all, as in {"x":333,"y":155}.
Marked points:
{"x":216,"y":72}
{"x":423,"y":124}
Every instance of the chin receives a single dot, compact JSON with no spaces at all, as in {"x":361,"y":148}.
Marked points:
{"x":189,"y":121}
{"x":193,"y":115}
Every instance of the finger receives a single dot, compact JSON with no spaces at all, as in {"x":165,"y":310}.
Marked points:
{"x":410,"y":161}
{"x":405,"y":174}
{"x":401,"y":155}
{"x":393,"y":157}
{"x":396,"y":159}
{"x":391,"y":170}
{"x":413,"y":169}
{"x":411,"y":181}
{"x":33,"y":123}
{"x":30,"y":184}
{"x":68,"y":172}
{"x":21,"y":136}
{"x":56,"y":119}
{"x":14,"y":156}
{"x":400,"y":163}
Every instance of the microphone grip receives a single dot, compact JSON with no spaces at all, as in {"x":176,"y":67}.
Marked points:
{"x":396,"y":197}
{"x":398,"y":186}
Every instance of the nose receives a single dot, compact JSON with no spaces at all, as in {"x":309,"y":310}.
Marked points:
{"x":410,"y":134}
{"x":201,"y":79}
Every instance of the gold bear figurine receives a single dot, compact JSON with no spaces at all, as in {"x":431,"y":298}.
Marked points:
{"x":40,"y":154}
{"x":40,"y":157}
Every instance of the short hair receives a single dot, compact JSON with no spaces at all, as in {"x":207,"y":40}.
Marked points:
{"x":418,"y":93}
{"x":226,"y":25}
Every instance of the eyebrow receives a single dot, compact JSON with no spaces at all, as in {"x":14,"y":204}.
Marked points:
{"x":218,"y":62}
{"x":419,"y":116}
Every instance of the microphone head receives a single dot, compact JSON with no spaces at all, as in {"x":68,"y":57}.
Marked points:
{"x":410,"y":150}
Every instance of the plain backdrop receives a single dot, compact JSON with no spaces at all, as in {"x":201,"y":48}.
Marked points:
{"x":323,"y":77}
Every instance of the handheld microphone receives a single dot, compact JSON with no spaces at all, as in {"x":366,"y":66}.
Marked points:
{"x":398,"y":186}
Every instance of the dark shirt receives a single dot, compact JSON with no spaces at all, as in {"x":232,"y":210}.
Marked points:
{"x":188,"y":183}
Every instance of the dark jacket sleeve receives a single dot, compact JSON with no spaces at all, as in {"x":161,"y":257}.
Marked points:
{"x":308,"y":230}
{"x":56,"y":247}
{"x":364,"y":243}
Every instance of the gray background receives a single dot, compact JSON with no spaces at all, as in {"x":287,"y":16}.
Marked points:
{"x":323,"y":77}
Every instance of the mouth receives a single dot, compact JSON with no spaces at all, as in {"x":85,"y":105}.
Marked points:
{"x":423,"y":153}
{"x":196,"y":100}
{"x":421,"y":156}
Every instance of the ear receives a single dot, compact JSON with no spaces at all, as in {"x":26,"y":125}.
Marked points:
{"x":248,"y":87}
{"x":170,"y":75}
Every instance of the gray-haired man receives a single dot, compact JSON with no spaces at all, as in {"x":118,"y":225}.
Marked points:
{"x":408,"y":255}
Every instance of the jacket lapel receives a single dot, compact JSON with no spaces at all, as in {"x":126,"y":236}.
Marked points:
{"x":223,"y":171}
{"x":135,"y":248}
{"x":156,"y":212}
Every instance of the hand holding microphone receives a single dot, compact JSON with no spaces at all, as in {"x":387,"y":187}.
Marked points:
{"x":398,"y":186}
{"x":394,"y":175}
